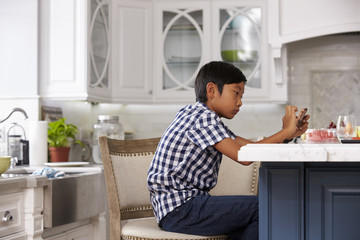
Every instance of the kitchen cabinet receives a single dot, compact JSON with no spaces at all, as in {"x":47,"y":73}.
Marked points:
{"x":151,"y":51}
{"x":75,"y":50}
{"x":241,"y":26}
{"x":131,"y":51}
{"x":309,"y":200}
{"x":333,"y":205}
{"x":21,"y":207}
{"x":307,"y":191}
{"x":181,"y":46}
{"x":188,"y":34}
{"x":12,"y":215}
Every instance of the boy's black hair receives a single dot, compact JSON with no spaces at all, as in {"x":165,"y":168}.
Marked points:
{"x":220,"y":73}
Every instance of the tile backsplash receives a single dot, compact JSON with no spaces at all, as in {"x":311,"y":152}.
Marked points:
{"x":324,"y":75}
{"x":335,"y":93}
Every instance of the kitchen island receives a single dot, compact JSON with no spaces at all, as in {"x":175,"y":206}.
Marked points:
{"x":307,"y":191}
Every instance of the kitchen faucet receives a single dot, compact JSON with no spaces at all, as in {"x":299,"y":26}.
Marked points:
{"x":15,"y":110}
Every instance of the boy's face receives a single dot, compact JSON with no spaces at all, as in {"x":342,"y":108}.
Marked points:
{"x":227,"y":104}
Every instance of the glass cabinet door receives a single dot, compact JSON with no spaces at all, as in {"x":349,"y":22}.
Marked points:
{"x":241,"y":41}
{"x":99,"y":44}
{"x":184,"y":47}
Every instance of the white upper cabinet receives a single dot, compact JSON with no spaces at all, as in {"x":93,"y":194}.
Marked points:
{"x":240,"y":38}
{"x":182,"y":33}
{"x":75,"y":50}
{"x":131,"y":51}
{"x":189,"y":34}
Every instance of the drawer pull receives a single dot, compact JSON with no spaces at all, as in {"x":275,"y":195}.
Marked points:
{"x":8,"y":217}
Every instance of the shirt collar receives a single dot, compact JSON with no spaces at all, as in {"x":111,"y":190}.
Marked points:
{"x":202,"y":105}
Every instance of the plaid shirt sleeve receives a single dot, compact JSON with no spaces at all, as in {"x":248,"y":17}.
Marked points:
{"x":208,"y":131}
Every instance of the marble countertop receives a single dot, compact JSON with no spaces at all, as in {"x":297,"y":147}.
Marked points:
{"x":300,"y":153}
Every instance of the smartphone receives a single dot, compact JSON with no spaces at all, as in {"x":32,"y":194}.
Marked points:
{"x":301,"y":118}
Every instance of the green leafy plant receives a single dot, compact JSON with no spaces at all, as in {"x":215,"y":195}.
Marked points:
{"x":61,"y":134}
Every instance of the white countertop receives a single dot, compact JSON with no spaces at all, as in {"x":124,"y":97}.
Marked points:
{"x":22,"y":175}
{"x":300,"y":153}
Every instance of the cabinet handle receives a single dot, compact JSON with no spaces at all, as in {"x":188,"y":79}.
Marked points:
{"x":8,"y":217}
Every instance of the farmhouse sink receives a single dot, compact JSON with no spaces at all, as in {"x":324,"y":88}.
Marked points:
{"x":79,"y":195}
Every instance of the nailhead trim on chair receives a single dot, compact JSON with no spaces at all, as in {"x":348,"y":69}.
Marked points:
{"x":140,"y":238}
{"x":136,"y":209}
{"x":131,"y":154}
{"x":254,"y":180}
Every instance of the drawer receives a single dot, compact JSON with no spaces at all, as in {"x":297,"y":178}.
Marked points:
{"x":11,"y":207}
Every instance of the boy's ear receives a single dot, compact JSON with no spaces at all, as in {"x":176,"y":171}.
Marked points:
{"x":210,"y":89}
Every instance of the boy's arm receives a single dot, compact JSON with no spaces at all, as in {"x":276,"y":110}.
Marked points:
{"x":230,"y":147}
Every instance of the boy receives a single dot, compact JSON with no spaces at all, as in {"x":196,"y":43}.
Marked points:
{"x":188,"y":157}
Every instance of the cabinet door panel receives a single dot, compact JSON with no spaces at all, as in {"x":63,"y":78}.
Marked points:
{"x":281,"y":194}
{"x":182,"y":46}
{"x":132,"y":68}
{"x":62,"y":44}
{"x":12,"y":214}
{"x":99,"y":44}
{"x":240,"y":34}
{"x":74,"y":50}
{"x":240,"y":38}
{"x":182,"y":49}
{"x":333,"y":206}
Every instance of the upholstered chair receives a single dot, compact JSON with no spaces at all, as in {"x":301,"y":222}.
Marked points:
{"x":126,"y":163}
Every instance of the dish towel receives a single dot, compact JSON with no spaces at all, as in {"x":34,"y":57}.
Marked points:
{"x":49,"y":172}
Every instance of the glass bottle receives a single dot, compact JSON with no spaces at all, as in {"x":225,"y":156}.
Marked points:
{"x":106,"y":126}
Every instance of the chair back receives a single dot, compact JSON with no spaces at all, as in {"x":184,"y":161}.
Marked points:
{"x":126,"y":163}
{"x":236,"y":179}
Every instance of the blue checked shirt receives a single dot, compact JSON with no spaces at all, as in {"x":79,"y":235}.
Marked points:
{"x":186,"y":164}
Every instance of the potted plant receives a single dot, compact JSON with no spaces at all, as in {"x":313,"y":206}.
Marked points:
{"x":60,"y":137}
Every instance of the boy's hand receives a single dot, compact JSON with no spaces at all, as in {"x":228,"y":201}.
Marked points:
{"x":304,"y":125}
{"x":289,"y":121}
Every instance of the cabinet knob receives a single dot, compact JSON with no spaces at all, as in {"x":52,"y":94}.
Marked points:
{"x":8,"y":217}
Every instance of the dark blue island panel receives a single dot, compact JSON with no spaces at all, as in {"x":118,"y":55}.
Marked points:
{"x":312,"y":201}
{"x":333,"y":204}
{"x":281,"y":194}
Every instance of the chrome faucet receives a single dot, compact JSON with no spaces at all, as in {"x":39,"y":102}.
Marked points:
{"x":15,"y":110}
